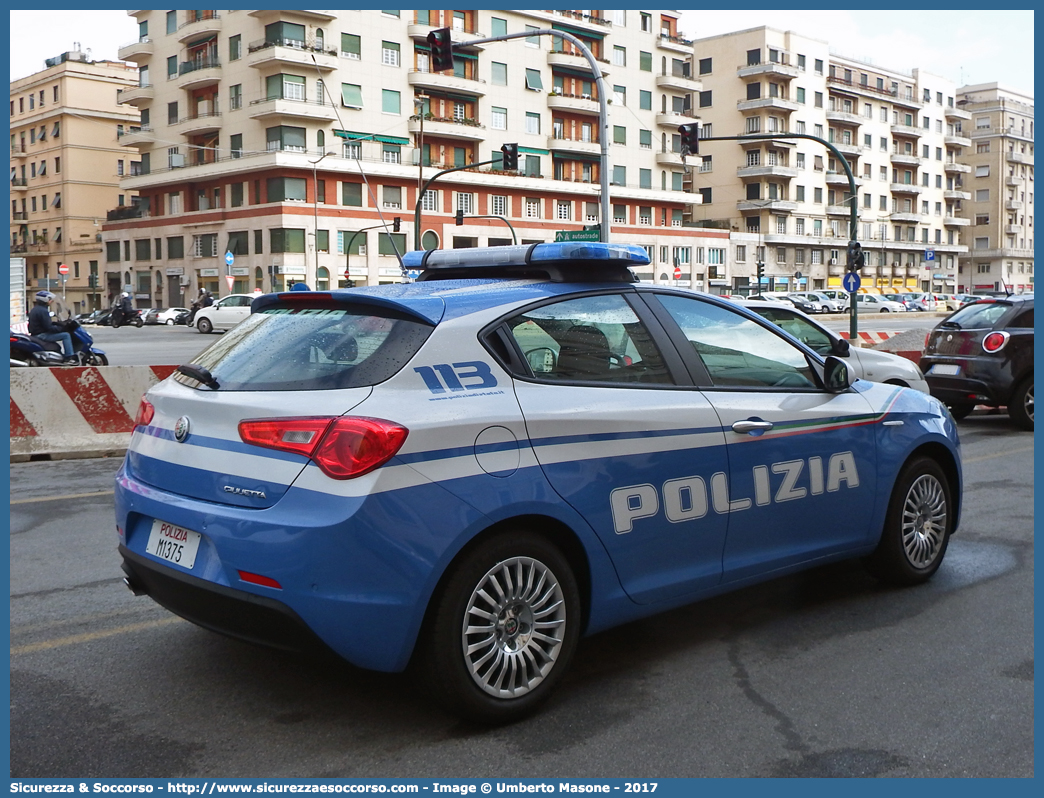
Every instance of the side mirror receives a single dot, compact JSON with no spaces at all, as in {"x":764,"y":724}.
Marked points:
{"x":841,"y":347}
{"x":835,"y":375}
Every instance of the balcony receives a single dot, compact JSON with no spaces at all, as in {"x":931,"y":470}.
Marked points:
{"x":955,"y":221}
{"x":766,"y":170}
{"x":20,"y":216}
{"x":135,"y":138}
{"x":956,"y":141}
{"x":299,"y":109}
{"x":678,"y":83}
{"x":847,"y":149}
{"x":447,"y":128}
{"x":573,"y":61}
{"x":841,"y":179}
{"x":19,"y":184}
{"x":203,"y":122}
{"x":18,"y":152}
{"x":138,"y":95}
{"x":777,"y":103}
{"x":563,"y":145}
{"x":777,"y":205}
{"x":905,"y":158}
{"x":291,"y":52}
{"x":840,"y":210}
{"x":199,"y":73}
{"x":781,"y":69}
{"x":437,"y":81}
{"x":668,"y":158}
{"x":420,"y":31}
{"x":1009,"y":205}
{"x":126,"y":212}
{"x":675,"y":118}
{"x":957,"y":114}
{"x":956,"y":194}
{"x":574,"y":103}
{"x":1019,"y":157}
{"x":844,"y":118}
{"x":318,"y":17}
{"x":906,"y":216}
{"x":1009,"y":229}
{"x":136,"y":51}
{"x":1010,"y":180}
{"x":676,"y":44}
{"x":904,"y":188}
{"x":210,"y":24}
{"x":907,"y":130}
{"x":952,"y":168}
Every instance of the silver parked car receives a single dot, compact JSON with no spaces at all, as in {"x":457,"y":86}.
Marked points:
{"x":821,"y":300}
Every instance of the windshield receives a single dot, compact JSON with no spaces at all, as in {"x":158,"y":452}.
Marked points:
{"x":300,"y":349}
{"x":978,"y":315}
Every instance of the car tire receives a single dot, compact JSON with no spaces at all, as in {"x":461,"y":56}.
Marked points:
{"x":1020,"y":407}
{"x":481,"y":656}
{"x":960,"y":411}
{"x":169,"y":322}
{"x":97,"y":360}
{"x":917,"y":526}
{"x":885,"y":310}
{"x":204,"y":325}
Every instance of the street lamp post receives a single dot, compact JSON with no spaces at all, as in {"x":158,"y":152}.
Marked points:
{"x":315,"y":209}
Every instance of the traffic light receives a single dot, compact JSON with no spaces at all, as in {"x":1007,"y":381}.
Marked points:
{"x":459,"y":218}
{"x":441,"y":49}
{"x":510,"y":153}
{"x":761,"y":272}
{"x":856,"y":258}
{"x":396,"y":223}
{"x":690,"y":138}
{"x":92,"y":281}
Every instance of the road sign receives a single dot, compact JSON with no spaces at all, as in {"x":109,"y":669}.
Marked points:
{"x":851,"y":282}
{"x":677,"y":273}
{"x":797,"y":275}
{"x":63,"y":269}
{"x":577,"y":235}
{"x":230,"y":280}
{"x":413,"y":274}
{"x":929,"y":254}
{"x":230,"y":258}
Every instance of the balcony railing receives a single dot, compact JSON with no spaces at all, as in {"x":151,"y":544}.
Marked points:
{"x":139,"y":211}
{"x":20,"y":216}
{"x":19,"y":181}
{"x":193,"y":66}
{"x":310,"y":45}
{"x":203,"y":16}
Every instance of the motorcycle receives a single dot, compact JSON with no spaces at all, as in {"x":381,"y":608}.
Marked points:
{"x":28,"y":350}
{"x":121,"y":317}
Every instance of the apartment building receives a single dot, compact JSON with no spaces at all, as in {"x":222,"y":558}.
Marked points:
{"x":66,"y":165}
{"x":999,"y":190}
{"x":287,"y":138}
{"x":901,"y":135}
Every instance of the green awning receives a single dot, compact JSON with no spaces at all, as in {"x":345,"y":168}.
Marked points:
{"x":580,"y":34}
{"x":534,"y":151}
{"x":393,"y":140}
{"x":574,"y":72}
{"x":576,"y":156}
{"x":352,"y":136}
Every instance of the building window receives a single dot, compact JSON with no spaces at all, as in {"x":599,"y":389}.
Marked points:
{"x":286,"y":189}
{"x":390,"y":101}
{"x":205,"y":246}
{"x":706,"y":99}
{"x":532,"y":166}
{"x":351,"y":194}
{"x":619,"y":55}
{"x":619,"y":134}
{"x":350,"y":46}
{"x":619,"y":175}
{"x":533,"y":81}
{"x":286,"y":239}
{"x":391,"y":153}
{"x":466,"y":202}
{"x":532,"y":41}
{"x":498,"y":205}
{"x":390,"y":53}
{"x":564,"y":210}
{"x":235,"y":47}
{"x":620,"y":95}
{"x":285,"y":138}
{"x":499,"y":74}
{"x":499,"y":118}
{"x":391,"y":197}
{"x":532,"y":123}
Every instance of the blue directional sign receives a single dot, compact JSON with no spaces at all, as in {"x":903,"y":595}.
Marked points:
{"x":413,"y":274}
{"x":230,"y":258}
{"x":929,"y":254}
{"x":851,"y":282}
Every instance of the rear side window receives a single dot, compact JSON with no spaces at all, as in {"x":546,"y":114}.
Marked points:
{"x":979,"y":315}
{"x":309,"y":349}
{"x":1024,"y":319}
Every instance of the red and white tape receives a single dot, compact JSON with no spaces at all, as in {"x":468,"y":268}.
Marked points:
{"x":71,"y":411}
{"x":871,"y":337}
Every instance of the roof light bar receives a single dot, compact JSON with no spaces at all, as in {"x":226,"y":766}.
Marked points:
{"x":528,"y":254}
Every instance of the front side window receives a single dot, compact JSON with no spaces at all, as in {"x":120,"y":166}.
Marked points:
{"x":591,"y":339}
{"x":736,"y":351}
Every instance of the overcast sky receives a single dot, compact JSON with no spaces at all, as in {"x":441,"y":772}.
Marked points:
{"x":962,"y":45}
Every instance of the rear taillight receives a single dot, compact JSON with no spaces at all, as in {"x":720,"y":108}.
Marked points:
{"x":344,"y":447}
{"x":927,"y":338}
{"x":995,"y":341}
{"x":145,"y":413}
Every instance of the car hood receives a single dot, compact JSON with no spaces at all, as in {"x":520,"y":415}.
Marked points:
{"x":884,"y":366}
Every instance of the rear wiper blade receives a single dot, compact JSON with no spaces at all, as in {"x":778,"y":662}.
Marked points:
{"x":199,"y":374}
{"x":952,"y":324}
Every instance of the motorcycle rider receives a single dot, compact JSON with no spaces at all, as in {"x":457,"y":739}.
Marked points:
{"x":41,"y":326}
{"x":121,"y":309}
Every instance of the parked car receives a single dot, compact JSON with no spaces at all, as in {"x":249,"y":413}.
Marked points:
{"x":947,"y":302}
{"x":920,"y":301}
{"x":183,"y":318}
{"x":796,"y":301}
{"x":224,"y":314}
{"x":839,"y":297}
{"x":399,"y":473}
{"x":867,"y":364}
{"x":874,"y":303}
{"x":903,"y":299}
{"x":168,"y":316}
{"x":819,"y":304}
{"x":819,"y":298}
{"x":982,"y":354}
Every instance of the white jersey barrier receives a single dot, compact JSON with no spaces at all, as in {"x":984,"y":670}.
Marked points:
{"x":75,"y":411}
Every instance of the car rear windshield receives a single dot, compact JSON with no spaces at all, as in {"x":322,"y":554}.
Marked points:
{"x":310,"y":349}
{"x":979,"y":315}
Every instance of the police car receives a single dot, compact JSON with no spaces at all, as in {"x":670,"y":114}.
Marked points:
{"x":464,"y":474}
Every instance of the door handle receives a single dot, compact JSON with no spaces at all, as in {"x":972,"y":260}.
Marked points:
{"x":751,"y":426}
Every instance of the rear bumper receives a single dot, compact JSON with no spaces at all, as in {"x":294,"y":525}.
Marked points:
{"x":981,"y":382}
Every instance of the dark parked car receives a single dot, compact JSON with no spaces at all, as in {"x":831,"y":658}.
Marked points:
{"x":982,"y":354}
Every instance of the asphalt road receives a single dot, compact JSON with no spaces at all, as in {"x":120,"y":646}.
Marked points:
{"x":826,"y":673}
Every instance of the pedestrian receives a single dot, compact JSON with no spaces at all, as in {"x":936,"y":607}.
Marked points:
{"x":41,"y":326}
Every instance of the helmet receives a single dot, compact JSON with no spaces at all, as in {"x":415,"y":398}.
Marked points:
{"x":44,"y":296}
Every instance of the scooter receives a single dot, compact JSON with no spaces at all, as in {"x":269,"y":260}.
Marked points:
{"x":28,"y":350}
{"x":121,"y":317}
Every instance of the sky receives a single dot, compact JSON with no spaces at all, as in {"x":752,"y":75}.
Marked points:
{"x":964,"y":46}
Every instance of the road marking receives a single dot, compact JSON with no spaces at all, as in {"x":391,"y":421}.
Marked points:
{"x":67,"y":496}
{"x":982,"y":457}
{"x":89,"y":637}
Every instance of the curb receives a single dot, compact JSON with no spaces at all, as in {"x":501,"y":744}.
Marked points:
{"x":76,"y":411}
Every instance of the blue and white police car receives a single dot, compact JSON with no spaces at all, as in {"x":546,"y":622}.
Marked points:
{"x":465,"y":474}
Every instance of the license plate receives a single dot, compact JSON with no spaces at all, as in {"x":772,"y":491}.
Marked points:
{"x":945,"y":369}
{"x":173,"y":543}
